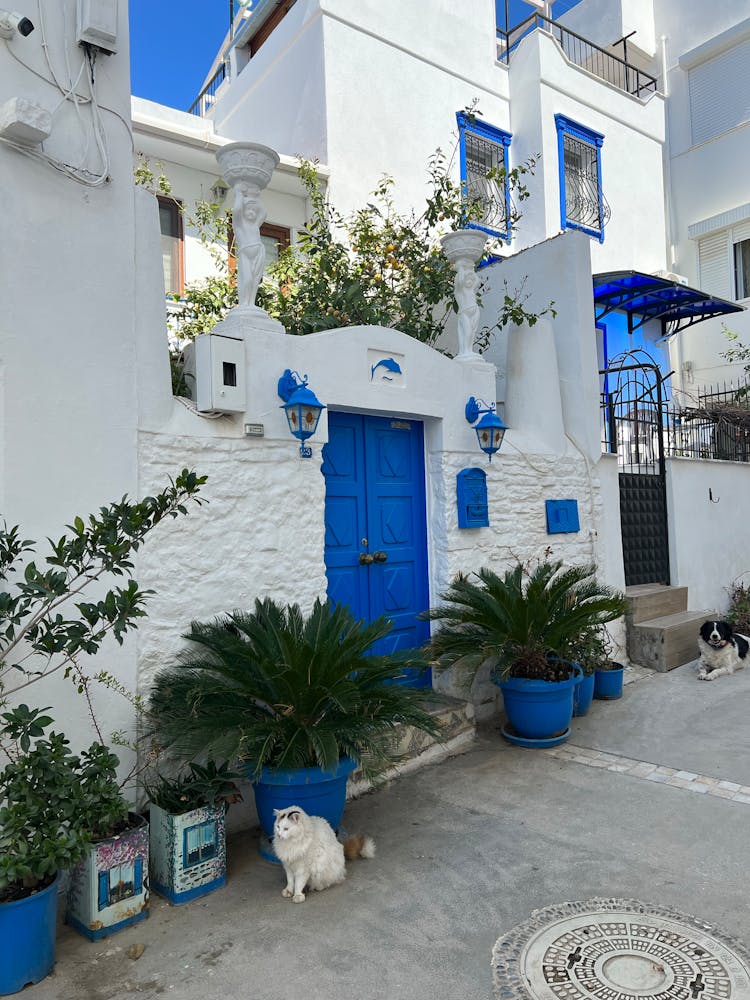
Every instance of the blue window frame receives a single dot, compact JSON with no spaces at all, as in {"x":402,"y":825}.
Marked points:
{"x":582,"y":202}
{"x":482,"y":148}
{"x":200,"y":843}
{"x":120,"y":882}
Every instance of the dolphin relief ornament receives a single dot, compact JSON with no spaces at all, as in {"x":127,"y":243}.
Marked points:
{"x":248,"y":167}
{"x":463,"y":249}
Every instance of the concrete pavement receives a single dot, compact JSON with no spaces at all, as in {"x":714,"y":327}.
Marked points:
{"x":466,"y":850}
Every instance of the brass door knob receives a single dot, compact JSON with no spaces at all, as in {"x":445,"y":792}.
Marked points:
{"x":380,"y":556}
{"x":365,"y":558}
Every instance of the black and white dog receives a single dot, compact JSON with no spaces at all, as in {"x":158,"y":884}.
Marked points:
{"x":722,"y":650}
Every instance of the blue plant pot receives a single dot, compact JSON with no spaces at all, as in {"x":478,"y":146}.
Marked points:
{"x":608,"y":683}
{"x":27,"y":933}
{"x":539,"y":710}
{"x":583,"y":695}
{"x":319,"y":793}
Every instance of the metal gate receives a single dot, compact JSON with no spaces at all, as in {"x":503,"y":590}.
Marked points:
{"x":633,"y":428}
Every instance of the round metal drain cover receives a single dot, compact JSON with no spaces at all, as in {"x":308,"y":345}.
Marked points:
{"x":618,"y":949}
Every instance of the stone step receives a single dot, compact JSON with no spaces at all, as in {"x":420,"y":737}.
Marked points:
{"x":417,"y":749}
{"x":666,"y":642}
{"x":654,"y":600}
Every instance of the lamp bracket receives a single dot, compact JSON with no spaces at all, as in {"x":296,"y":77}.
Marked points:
{"x":475,"y":408}
{"x":289,"y":382}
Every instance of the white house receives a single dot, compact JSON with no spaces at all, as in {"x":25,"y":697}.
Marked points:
{"x":88,"y":411}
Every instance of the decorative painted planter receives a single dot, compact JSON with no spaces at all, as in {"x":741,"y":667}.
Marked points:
{"x":583,"y":695}
{"x":188,"y":855}
{"x":27,"y":933}
{"x":109,"y":889}
{"x":608,"y":683}
{"x":540,"y":710}
{"x":319,"y":793}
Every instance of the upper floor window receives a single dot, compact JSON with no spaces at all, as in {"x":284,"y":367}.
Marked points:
{"x":582,"y":202}
{"x":719,"y":92}
{"x":724,"y":261}
{"x":742,"y":269}
{"x":483,"y":151}
{"x":170,"y":223}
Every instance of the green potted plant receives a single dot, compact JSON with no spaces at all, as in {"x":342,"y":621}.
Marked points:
{"x":298,"y":698}
{"x":524,"y":624}
{"x":591,"y":652}
{"x":48,"y":796}
{"x":187,"y":830}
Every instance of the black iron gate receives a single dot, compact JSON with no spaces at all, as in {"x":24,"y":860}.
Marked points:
{"x":633,"y":428}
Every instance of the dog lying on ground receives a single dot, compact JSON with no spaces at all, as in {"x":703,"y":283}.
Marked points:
{"x":722,"y":650}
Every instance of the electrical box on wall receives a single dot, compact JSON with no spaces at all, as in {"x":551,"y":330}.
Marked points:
{"x":562,"y":516}
{"x":219,"y":364}
{"x":471,"y":499}
{"x":97,"y":24}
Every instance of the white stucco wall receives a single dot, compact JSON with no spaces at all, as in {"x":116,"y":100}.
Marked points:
{"x":707,"y":534}
{"x":68,"y":412}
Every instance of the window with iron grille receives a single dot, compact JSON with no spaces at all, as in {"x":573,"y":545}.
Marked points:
{"x":483,"y":151}
{"x":582,"y":202}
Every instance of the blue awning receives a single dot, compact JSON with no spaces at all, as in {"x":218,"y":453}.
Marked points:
{"x":645,"y":297}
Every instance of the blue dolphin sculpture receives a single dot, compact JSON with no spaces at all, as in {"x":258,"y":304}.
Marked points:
{"x":390,"y":366}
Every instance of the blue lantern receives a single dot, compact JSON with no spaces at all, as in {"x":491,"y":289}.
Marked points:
{"x":302,"y":408}
{"x":490,"y":429}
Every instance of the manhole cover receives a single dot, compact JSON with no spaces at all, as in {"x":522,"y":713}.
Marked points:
{"x":618,"y":949}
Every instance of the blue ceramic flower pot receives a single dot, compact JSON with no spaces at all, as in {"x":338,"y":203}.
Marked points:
{"x":539,"y":710}
{"x":27,"y":932}
{"x":608,"y":683}
{"x":319,"y":793}
{"x":583,"y":695}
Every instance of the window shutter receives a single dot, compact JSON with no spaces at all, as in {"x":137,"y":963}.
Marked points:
{"x":713,"y":261}
{"x":103,"y":890}
{"x":720,"y":93}
{"x":741,"y":232}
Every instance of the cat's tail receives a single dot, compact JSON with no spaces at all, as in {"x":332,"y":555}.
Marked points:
{"x":359,"y":846}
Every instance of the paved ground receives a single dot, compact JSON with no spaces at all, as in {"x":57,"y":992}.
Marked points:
{"x":466,"y":850}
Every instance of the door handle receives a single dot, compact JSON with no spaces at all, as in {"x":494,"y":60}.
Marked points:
{"x":380,"y":557}
{"x":365,"y":558}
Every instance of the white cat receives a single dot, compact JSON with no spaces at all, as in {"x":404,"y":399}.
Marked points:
{"x":311,"y":855}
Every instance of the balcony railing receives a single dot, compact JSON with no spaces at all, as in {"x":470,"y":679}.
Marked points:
{"x":583,"y":53}
{"x":207,"y":97}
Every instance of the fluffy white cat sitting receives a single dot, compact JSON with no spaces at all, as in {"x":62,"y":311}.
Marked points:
{"x":311,"y":855}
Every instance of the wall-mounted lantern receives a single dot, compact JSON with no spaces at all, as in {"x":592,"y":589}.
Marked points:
{"x":302,"y":408}
{"x":490,"y":429}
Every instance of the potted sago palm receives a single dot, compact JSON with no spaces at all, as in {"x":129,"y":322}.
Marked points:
{"x":299,"y":699}
{"x":524,"y":625}
{"x":187,"y":830}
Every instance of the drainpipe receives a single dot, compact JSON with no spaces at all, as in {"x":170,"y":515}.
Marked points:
{"x":668,"y":202}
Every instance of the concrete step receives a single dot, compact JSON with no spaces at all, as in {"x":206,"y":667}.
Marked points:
{"x":417,"y":749}
{"x":653,"y":600}
{"x":666,"y":642}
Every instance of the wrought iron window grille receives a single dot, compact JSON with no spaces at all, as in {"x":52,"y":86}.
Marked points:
{"x":582,"y":202}
{"x":483,"y":151}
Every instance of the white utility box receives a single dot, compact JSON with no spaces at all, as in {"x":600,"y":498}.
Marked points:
{"x":219,"y":374}
{"x":97,"y":23}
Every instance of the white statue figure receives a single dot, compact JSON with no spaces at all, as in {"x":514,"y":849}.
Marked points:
{"x":465,"y":286}
{"x":248,"y":215}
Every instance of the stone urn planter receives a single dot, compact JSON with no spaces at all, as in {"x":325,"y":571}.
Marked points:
{"x":188,"y":852}
{"x":109,"y":889}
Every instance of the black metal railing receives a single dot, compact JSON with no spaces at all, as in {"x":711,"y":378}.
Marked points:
{"x":607,"y":66}
{"x":207,"y":97}
{"x":642,"y":428}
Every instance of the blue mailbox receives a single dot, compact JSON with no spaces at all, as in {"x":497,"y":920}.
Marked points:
{"x":471,"y":494}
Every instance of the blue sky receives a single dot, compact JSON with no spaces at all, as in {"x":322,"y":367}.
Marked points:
{"x":172,"y":46}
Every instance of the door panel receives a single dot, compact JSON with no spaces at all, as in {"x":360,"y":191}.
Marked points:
{"x":375,"y":503}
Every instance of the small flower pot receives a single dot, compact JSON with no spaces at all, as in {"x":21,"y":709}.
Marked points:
{"x":608,"y":683}
{"x":109,"y":888}
{"x":583,"y":695}
{"x":188,"y":852}
{"x":27,"y":933}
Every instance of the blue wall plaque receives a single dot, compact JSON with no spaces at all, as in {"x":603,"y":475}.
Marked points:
{"x":562,"y":516}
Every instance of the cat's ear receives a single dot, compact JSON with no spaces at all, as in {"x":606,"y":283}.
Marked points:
{"x":277,"y":812}
{"x":295,"y":817}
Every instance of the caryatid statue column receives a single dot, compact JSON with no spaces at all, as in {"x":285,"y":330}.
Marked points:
{"x":248,"y":167}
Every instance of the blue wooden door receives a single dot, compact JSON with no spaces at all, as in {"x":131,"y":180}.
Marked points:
{"x":375,"y":506}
